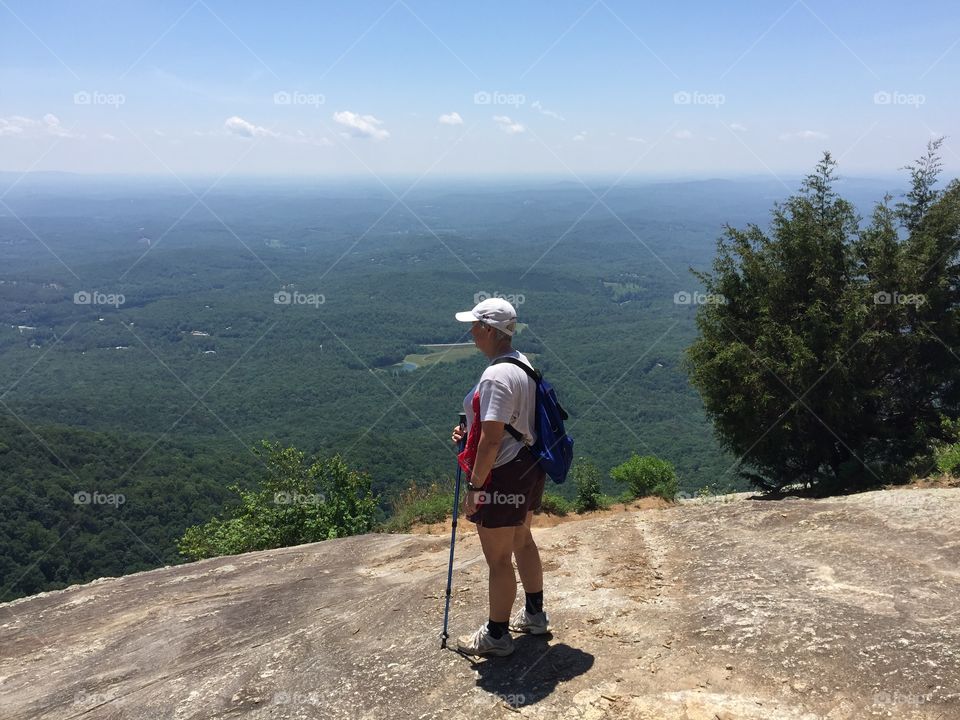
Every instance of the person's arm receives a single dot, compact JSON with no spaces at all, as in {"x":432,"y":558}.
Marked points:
{"x":496,"y":407}
{"x":491,"y":432}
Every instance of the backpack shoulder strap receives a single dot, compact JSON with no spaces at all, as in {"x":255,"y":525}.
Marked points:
{"x":517,"y":435}
{"x":534,"y":375}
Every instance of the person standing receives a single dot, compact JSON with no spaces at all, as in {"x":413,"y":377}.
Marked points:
{"x":505,"y":483}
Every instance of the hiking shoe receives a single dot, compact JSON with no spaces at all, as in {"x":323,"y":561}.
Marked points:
{"x":533,"y":623}
{"x":483,"y":643}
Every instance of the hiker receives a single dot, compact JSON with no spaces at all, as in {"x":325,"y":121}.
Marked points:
{"x":504,"y":481}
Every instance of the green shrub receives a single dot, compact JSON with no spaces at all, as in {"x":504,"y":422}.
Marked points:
{"x":294,"y":504}
{"x":555,"y":505}
{"x":586,"y":479}
{"x":948,"y":459}
{"x":647,"y":475}
{"x":626,"y":497}
{"x":417,"y":505}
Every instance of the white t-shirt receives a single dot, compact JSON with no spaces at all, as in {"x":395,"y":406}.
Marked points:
{"x":507,"y":395}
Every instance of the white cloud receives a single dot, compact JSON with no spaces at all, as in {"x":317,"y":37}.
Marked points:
{"x":107,"y":136}
{"x":580,"y":136}
{"x":508,"y":126}
{"x":362,"y":126}
{"x":238,"y":126}
{"x":543,"y":111}
{"x":451,"y":119}
{"x":737,"y":127}
{"x":683,"y":134}
{"x":631,"y":138}
{"x":21,"y":126}
{"x":242,"y":128}
{"x":52,"y":125}
{"x":12,"y":125}
{"x":804,"y":135}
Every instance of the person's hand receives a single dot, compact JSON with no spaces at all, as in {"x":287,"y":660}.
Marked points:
{"x":470,"y":502}
{"x":458,"y":433}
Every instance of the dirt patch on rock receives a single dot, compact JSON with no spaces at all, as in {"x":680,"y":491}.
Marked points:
{"x":545,"y":520}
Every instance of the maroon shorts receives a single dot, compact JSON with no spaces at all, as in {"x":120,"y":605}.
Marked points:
{"x":515,"y":488}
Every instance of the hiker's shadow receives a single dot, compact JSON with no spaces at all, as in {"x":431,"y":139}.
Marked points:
{"x":533,"y":670}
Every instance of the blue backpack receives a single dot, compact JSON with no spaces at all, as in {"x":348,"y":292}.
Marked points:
{"x":553,"y":448}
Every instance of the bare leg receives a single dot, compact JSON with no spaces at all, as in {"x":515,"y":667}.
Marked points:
{"x":528,"y":557}
{"x":497,"y":544}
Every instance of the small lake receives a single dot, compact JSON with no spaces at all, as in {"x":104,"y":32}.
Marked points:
{"x":404,"y":366}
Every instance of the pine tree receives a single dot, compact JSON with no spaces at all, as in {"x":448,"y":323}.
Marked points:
{"x":833,"y":357}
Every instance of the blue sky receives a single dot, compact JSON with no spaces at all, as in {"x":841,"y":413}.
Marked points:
{"x":434,"y":89}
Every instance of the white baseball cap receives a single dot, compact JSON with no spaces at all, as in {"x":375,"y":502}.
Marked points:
{"x":495,"y":312}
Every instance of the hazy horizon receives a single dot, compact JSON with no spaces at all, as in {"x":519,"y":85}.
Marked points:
{"x":405,"y":88}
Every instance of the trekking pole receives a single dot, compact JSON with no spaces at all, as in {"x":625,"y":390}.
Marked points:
{"x":453,"y":532}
